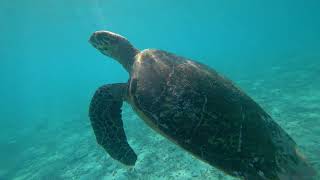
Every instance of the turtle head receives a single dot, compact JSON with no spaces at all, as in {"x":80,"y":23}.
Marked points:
{"x":115,"y":46}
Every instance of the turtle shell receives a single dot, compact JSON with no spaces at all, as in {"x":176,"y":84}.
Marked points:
{"x":206,"y":114}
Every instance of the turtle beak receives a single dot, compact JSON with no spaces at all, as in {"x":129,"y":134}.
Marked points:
{"x":93,"y":40}
{"x":100,"y":38}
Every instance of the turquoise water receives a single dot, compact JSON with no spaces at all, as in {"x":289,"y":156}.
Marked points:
{"x":49,"y":72}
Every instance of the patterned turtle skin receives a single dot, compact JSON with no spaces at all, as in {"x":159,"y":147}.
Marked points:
{"x":208,"y":116}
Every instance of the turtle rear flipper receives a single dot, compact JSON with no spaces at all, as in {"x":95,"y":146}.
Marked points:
{"x":105,"y":116}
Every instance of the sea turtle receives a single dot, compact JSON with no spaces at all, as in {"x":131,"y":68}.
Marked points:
{"x":194,"y":107}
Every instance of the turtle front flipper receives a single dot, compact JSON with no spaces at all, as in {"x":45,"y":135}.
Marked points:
{"x":105,"y":116}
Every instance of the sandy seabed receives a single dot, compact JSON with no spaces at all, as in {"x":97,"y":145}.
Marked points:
{"x":69,"y":151}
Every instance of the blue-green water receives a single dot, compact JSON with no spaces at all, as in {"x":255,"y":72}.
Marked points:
{"x":49,"y":72}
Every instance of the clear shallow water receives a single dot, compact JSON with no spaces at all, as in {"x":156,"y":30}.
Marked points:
{"x":49,"y":72}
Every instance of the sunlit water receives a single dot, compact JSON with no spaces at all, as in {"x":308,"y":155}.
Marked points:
{"x":49,"y":71}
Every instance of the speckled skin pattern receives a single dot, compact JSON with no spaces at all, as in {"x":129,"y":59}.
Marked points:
{"x":208,"y":116}
{"x":105,"y":116}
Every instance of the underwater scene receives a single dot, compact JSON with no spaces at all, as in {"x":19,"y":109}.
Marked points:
{"x":66,"y":67}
